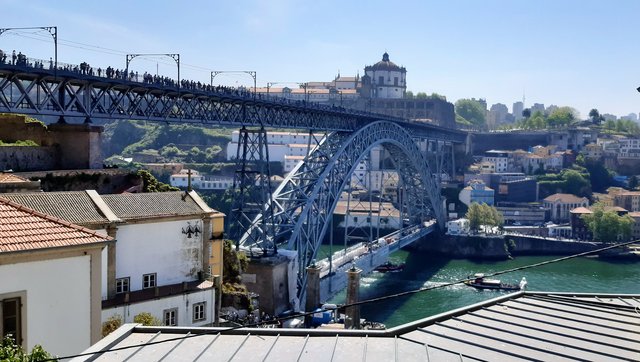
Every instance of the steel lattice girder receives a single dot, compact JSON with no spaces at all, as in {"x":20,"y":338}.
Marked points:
{"x":305,"y":200}
{"x":44,"y":92}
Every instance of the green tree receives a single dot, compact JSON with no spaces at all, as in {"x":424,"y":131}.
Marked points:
{"x":601,"y":178}
{"x":114,"y":322}
{"x":608,"y":226}
{"x":594,"y":115}
{"x":575,"y":183}
{"x":561,"y":117}
{"x":526,"y":113}
{"x":633,"y":182}
{"x":483,"y":214}
{"x":474,"y":215}
{"x":147,"y":319}
{"x":421,"y":95}
{"x":11,"y":352}
{"x":472,"y":111}
{"x":151,"y":184}
{"x":234,"y":262}
{"x":408,"y":95}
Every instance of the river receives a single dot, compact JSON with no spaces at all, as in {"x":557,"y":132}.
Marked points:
{"x":576,"y":275}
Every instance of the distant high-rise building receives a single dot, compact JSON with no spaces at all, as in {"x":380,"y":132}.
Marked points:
{"x":537,"y":107}
{"x":631,"y":117}
{"x":518,"y":107}
{"x":551,"y":108}
{"x":497,"y":114}
{"x":608,"y":116}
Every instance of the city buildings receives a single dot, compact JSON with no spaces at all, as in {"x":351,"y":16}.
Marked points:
{"x":559,"y":205}
{"x":178,"y":234}
{"x":477,"y":192}
{"x":517,"y":108}
{"x":49,"y":280}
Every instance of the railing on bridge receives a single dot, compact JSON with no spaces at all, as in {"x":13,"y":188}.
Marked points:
{"x":84,"y":91}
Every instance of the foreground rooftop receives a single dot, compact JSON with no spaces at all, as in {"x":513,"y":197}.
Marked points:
{"x":515,"y":327}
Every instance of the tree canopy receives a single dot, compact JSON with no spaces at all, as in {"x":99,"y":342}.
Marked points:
{"x":472,"y":111}
{"x":483,"y":214}
{"x":608,"y":226}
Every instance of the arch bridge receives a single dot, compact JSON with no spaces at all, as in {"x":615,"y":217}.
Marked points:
{"x":298,"y":214}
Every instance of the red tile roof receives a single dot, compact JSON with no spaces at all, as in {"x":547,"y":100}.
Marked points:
{"x":9,"y":177}
{"x":23,"y":229}
{"x":564,"y":198}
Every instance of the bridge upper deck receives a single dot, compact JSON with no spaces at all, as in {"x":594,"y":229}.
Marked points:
{"x":71,"y":91}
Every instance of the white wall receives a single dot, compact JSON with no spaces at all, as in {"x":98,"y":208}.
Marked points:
{"x":57,"y":307}
{"x":158,"y":248}
{"x":183,"y":302}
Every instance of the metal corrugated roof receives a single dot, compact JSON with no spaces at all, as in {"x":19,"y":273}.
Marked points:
{"x":153,"y":204}
{"x":74,"y":206}
{"x":522,"y":326}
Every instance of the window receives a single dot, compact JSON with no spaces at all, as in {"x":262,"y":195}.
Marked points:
{"x":149,"y":281}
{"x":10,"y":319}
{"x":199,"y":311}
{"x":122,"y":285}
{"x":171,"y":317}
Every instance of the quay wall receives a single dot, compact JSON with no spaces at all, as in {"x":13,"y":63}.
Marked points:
{"x":499,"y":246}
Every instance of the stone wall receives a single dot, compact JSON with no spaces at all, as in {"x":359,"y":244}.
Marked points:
{"x":77,"y":146}
{"x":482,"y":142}
{"x":27,"y":158}
{"x":498,"y":247}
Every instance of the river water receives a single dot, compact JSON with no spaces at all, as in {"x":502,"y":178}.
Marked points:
{"x":576,"y":275}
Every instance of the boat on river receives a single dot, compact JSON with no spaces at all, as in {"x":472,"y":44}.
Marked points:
{"x":389,"y":267}
{"x":480,"y":282}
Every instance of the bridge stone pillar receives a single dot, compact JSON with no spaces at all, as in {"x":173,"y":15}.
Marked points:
{"x":312,"y":293}
{"x":313,"y":288}
{"x":352,"y":319}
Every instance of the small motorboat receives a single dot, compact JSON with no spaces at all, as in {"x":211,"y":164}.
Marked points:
{"x":480,"y":282}
{"x":389,"y":267}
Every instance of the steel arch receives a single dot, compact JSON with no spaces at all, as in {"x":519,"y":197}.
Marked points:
{"x":306,"y":199}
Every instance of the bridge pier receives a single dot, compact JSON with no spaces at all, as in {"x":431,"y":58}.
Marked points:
{"x":274,"y":278}
{"x":352,"y":318}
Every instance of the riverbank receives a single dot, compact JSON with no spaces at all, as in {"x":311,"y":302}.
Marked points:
{"x":505,"y":246}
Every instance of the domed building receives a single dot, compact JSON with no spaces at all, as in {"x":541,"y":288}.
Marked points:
{"x":386,"y":79}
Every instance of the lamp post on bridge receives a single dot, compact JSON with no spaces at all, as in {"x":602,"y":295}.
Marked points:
{"x":53,"y":31}
{"x":252,"y":73}
{"x":174,"y":56}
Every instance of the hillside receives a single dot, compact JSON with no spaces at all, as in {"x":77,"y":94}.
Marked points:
{"x":164,"y":142}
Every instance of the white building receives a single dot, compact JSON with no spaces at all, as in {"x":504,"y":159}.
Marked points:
{"x":458,"y":227}
{"x":162,"y":255}
{"x":49,"y":280}
{"x":388,"y":80}
{"x":500,"y":160}
{"x":629,"y":148}
{"x":199,"y":181}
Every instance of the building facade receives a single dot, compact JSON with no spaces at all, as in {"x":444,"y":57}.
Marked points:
{"x":50,"y":280}
{"x":559,"y":205}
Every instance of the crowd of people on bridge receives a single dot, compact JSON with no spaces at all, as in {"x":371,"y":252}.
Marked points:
{"x":85,"y":69}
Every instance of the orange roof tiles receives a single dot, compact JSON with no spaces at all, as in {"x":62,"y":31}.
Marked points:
{"x":564,"y":198}
{"x":23,"y":229}
{"x":9,"y":177}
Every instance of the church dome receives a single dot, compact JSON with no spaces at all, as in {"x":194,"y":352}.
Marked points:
{"x":385,"y":64}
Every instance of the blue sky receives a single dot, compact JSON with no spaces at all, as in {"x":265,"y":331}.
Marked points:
{"x":578,"y":53}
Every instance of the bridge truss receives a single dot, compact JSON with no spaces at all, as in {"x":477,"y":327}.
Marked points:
{"x":299,"y":214}
{"x":304,"y":203}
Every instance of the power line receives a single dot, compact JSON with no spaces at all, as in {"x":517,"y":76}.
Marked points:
{"x":93,"y":48}
{"x":367,"y":301}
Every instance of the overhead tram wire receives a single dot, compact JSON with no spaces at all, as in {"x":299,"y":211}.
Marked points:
{"x":96,"y":49}
{"x":367,"y":301}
